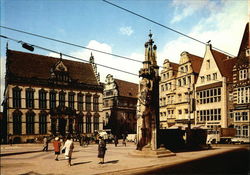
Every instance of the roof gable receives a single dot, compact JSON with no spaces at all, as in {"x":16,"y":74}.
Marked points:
{"x":245,"y":42}
{"x":225,"y":64}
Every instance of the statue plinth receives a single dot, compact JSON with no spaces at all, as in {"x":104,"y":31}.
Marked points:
{"x":147,"y":152}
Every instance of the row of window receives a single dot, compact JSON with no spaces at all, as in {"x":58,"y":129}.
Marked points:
{"x":240,"y":116}
{"x":209,"y":96}
{"x":169,"y":113}
{"x":243,"y":95}
{"x":209,"y":115}
{"x":208,"y":77}
{"x":243,"y":74}
{"x":170,"y":99}
{"x":52,"y":99}
{"x":30,"y":123}
{"x":167,"y":75}
{"x":242,"y":131}
{"x":184,"y":81}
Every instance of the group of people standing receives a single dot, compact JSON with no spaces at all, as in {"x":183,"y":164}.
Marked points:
{"x":67,"y":147}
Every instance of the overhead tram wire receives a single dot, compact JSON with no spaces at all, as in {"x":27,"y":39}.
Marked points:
{"x":70,"y":56}
{"x":68,"y":43}
{"x":166,"y":27}
{"x":64,"y":42}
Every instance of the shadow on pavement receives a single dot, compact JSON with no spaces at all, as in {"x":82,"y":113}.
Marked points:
{"x":79,"y":163}
{"x":26,"y":152}
{"x":112,"y":161}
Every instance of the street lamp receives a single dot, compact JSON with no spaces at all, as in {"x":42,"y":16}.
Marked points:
{"x":28,"y":47}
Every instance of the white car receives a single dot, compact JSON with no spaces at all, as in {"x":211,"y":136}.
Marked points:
{"x":240,"y":140}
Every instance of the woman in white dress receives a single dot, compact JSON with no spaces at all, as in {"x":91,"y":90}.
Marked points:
{"x":68,"y":146}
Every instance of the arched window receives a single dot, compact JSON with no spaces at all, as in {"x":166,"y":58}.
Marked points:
{"x":30,"y":98}
{"x":71,"y":97}
{"x":80,"y":123}
{"x":88,"y":102}
{"x":30,"y":122}
{"x":52,"y":99}
{"x":96,"y":121}
{"x":42,"y":99}
{"x":96,"y":103}
{"x":16,"y":97}
{"x":62,"y":98}
{"x":80,"y":101}
{"x":88,"y":123}
{"x":17,"y":122}
{"x":43,"y":123}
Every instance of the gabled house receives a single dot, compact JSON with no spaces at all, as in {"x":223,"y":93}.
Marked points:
{"x":241,"y":88}
{"x":213,"y":89}
{"x":120,"y":102}
{"x":177,"y":90}
{"x":167,"y":94}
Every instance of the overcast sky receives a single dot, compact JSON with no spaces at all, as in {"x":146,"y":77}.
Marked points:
{"x":98,"y":25}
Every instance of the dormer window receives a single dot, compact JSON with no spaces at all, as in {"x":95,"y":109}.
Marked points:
{"x":59,"y":72}
{"x":248,"y":52}
{"x":186,"y":68}
{"x":208,"y":64}
{"x":243,"y":74}
{"x":202,"y":79}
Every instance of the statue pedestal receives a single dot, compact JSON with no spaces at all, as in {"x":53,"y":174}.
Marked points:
{"x":148,"y":152}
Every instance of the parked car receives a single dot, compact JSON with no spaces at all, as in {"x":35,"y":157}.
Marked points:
{"x":240,"y":140}
{"x":221,"y":135}
{"x":131,"y":138}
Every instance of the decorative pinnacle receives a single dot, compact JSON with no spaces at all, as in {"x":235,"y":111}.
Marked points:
{"x":150,"y":34}
{"x":60,"y":56}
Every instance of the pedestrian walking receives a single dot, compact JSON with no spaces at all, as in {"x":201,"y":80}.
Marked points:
{"x":116,"y":140}
{"x":57,"y":145}
{"x":69,"y":147}
{"x":124,"y":139}
{"x":45,"y":144}
{"x":101,"y":150}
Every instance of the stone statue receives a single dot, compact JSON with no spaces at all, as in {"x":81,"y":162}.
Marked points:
{"x":148,"y":99}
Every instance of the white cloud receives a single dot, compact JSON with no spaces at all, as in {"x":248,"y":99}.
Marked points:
{"x":126,"y":30}
{"x":109,"y":60}
{"x":184,"y":9}
{"x":224,"y":28}
{"x":53,"y":54}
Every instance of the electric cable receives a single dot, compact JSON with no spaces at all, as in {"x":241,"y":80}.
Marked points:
{"x":68,"y":43}
{"x":166,"y":27}
{"x":70,"y":56}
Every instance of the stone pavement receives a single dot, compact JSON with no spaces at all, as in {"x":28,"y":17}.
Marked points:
{"x":29,"y":159}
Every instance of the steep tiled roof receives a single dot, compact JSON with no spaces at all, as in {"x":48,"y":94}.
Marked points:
{"x":27,"y":65}
{"x":245,"y":43}
{"x":174,"y":66}
{"x":196,"y":62}
{"x":224,"y":63}
{"x":127,"y":89}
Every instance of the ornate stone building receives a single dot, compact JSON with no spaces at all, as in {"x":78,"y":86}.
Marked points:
{"x":214,"y":89}
{"x":241,"y":88}
{"x":177,"y":90}
{"x":120,"y":99}
{"x":50,"y":96}
{"x":167,"y":94}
